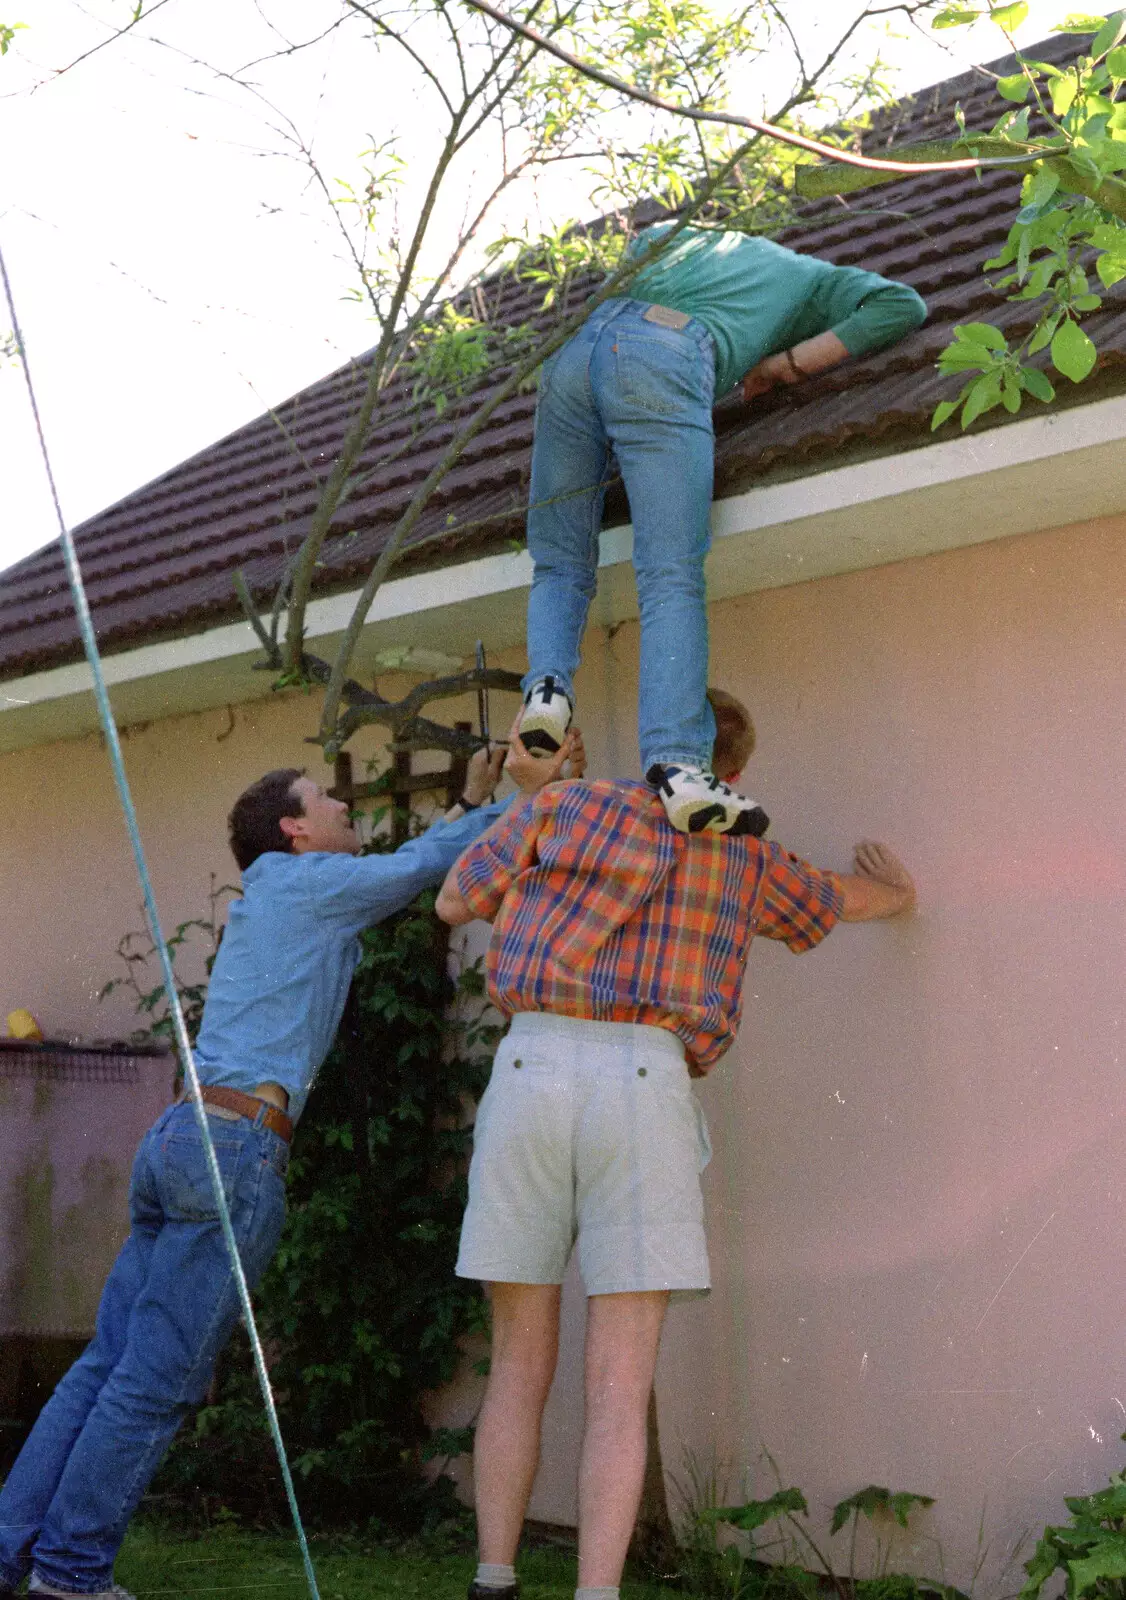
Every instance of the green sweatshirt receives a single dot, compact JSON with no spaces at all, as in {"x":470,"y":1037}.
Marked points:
{"x":756,"y":297}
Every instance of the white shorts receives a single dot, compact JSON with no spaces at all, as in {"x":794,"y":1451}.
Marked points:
{"x":588,"y":1131}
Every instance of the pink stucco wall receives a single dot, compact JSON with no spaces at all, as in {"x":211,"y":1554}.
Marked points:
{"x":918,"y":1191}
{"x":917,"y":1197}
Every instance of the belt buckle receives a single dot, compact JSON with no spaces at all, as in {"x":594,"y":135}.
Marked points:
{"x":666,"y":317}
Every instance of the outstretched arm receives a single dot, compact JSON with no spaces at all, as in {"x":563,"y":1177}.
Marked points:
{"x":880,"y":887}
{"x":805,"y":360}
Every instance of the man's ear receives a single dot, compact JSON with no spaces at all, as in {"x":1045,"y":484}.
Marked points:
{"x":292,"y":827}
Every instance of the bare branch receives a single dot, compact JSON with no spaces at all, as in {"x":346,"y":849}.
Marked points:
{"x":242,"y":589}
{"x":409,"y":729}
{"x":328,"y":736}
{"x":420,"y":61}
{"x":356,"y":436}
{"x":291,"y":48}
{"x":94,"y":49}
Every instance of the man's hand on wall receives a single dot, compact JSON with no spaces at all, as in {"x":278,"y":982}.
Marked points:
{"x":880,"y":886}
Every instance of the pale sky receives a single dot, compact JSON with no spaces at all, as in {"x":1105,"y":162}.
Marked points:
{"x":173,"y":274}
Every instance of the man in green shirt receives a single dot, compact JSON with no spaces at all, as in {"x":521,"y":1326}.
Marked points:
{"x":639,"y":380}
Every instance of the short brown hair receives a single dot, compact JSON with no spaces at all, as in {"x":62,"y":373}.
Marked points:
{"x":255,"y":818}
{"x":734,"y":732}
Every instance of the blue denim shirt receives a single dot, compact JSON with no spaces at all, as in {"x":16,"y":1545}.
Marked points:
{"x":281,"y":977}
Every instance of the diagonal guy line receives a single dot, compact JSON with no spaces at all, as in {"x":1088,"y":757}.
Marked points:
{"x":1010,"y":1272}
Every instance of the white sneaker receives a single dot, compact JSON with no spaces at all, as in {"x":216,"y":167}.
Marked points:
{"x":545,"y":718}
{"x":696,"y":802}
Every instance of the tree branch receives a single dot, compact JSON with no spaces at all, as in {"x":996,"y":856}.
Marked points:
{"x":770,"y":130}
{"x":328,"y":735}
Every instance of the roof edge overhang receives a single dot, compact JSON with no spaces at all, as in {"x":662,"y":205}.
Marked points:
{"x":1051,"y":470}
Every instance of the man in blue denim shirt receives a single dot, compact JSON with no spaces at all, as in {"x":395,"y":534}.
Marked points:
{"x":274,"y":1002}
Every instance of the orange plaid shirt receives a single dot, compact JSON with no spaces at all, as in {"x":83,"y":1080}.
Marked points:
{"x":604,"y":911}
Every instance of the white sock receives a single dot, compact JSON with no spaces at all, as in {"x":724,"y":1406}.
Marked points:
{"x":492,"y":1575}
{"x":597,"y":1594}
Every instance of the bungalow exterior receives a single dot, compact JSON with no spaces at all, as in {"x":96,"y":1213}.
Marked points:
{"x":917,"y":1196}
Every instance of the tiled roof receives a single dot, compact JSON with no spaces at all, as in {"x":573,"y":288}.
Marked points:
{"x":159,"y":563}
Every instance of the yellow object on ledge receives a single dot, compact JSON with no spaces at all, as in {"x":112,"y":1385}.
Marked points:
{"x":22,"y":1025}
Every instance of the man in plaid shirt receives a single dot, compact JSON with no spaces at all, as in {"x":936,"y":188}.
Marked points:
{"x":619,"y":948}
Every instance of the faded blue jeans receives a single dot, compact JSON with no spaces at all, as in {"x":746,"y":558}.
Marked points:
{"x":168,"y":1308}
{"x":645,"y":392}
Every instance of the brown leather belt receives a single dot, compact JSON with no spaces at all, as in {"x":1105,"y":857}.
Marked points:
{"x":248,"y":1105}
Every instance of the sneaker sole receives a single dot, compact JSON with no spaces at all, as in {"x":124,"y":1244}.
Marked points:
{"x":694,"y":816}
{"x":538,"y":742}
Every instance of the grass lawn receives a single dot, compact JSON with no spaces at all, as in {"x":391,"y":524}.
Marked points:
{"x":269,"y":1567}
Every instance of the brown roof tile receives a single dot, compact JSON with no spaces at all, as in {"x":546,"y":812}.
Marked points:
{"x":159,"y":563}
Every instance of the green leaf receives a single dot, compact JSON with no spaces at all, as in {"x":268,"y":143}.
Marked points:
{"x":1009,"y":17}
{"x":1041,"y":185}
{"x":1014,"y":125}
{"x":1037,"y":384}
{"x":1064,"y":89}
{"x":1016,"y":87}
{"x":1106,"y":1560}
{"x":1043,"y":333}
{"x":1111,"y":269}
{"x":1105,"y":1504}
{"x":875,"y":1501}
{"x":1109,"y":34}
{"x":955,"y":17}
{"x":1116,"y":62}
{"x":943,"y":413}
{"x":982,"y":333}
{"x":1087,"y":302}
{"x":1043,"y":1563}
{"x":1073,"y":354}
{"x":755,"y":1512}
{"x":982,"y":395}
{"x":1078,"y":22}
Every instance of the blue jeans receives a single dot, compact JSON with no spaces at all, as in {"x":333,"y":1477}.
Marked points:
{"x":645,"y":392}
{"x":168,"y":1308}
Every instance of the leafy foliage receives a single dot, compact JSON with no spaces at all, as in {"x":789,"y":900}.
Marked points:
{"x":1072,"y":217}
{"x":492,"y":108}
{"x":770,"y":1569}
{"x":754,"y":1513}
{"x":360,"y":1313}
{"x":1090,"y":1549}
{"x":875,"y":1501}
{"x":135,"y":949}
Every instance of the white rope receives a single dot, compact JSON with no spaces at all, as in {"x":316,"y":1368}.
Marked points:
{"x":113,"y":745}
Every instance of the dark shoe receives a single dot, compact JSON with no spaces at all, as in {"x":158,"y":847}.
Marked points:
{"x":695,"y":801}
{"x":543,"y":727}
{"x":481,"y":1591}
